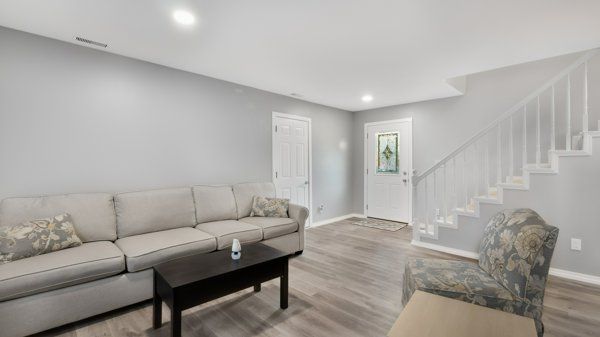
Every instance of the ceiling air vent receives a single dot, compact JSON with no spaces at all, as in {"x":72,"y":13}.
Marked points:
{"x":95,"y":43}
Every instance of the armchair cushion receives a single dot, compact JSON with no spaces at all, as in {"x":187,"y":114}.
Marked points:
{"x":464,"y":281}
{"x":514,"y":242}
{"x":455,"y":279}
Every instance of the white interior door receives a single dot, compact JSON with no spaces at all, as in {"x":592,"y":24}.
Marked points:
{"x":291,"y":173}
{"x":388,"y":148}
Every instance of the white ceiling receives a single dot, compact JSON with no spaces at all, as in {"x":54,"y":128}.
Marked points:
{"x":330,"y":51}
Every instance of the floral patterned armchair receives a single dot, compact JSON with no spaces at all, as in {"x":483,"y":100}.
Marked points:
{"x":514,"y":260}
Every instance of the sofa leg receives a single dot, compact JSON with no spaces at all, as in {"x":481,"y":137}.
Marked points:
{"x":299,"y":252}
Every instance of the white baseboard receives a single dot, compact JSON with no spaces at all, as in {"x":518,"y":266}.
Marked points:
{"x":448,"y":250}
{"x":339,"y":218}
{"x":570,"y":275}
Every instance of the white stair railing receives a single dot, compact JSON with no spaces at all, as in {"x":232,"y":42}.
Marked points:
{"x":471,"y":163}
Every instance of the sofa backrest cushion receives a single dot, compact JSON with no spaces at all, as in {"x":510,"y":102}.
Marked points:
{"x":244,"y":195}
{"x":153,"y":211}
{"x":214,"y":203}
{"x":93,"y":214}
{"x":516,"y":250}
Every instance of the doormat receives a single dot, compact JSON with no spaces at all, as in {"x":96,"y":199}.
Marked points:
{"x":385,"y":225}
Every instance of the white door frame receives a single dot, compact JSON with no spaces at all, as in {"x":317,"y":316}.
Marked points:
{"x":310,"y":183}
{"x":410,"y":164}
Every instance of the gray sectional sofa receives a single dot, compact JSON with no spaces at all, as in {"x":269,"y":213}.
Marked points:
{"x":125,"y":235}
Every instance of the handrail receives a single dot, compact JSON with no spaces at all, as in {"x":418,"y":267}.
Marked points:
{"x":507,"y":114}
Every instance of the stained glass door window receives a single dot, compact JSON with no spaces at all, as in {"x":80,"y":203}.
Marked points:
{"x":387,"y":153}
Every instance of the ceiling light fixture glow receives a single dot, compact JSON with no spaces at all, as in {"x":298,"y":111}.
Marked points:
{"x":184,"y":18}
{"x":367,"y":98}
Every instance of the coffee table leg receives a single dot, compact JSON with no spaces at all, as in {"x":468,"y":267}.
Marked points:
{"x":283,"y":292}
{"x":175,"y":322}
{"x":157,"y":308}
{"x":257,"y":288}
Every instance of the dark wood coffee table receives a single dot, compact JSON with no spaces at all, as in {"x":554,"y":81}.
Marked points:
{"x":190,"y":281}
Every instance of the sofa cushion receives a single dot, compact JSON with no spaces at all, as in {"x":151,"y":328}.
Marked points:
{"x":37,"y":237}
{"x":153,"y":211}
{"x":244,"y":195}
{"x":93,"y":214}
{"x":147,"y":250}
{"x":226,"y":231}
{"x":90,"y":261}
{"x":273,"y":227}
{"x":214,"y":203}
{"x":513,"y":242}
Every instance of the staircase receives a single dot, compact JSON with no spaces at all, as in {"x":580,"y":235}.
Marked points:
{"x":528,"y":139}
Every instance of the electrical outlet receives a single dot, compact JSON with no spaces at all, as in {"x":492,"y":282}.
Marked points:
{"x":576,"y":244}
{"x":321,"y":208}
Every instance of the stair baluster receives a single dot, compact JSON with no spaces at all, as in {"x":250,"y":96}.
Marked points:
{"x":464,"y":179}
{"x":435,"y":200}
{"x":476,"y":169}
{"x":499,"y":155}
{"x":454,"y":191}
{"x":444,"y":192}
{"x":486,"y":165}
{"x":568,"y":109}
{"x":585,"y":98}
{"x":524,"y":138}
{"x":511,"y":154}
{"x":426,"y":194}
{"x":553,"y":121}
{"x":538,"y":146}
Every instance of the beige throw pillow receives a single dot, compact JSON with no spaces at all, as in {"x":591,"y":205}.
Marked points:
{"x":270,"y":207}
{"x":37,"y":237}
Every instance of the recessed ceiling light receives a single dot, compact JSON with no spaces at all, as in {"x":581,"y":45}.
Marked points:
{"x":367,"y":98}
{"x":184,"y":18}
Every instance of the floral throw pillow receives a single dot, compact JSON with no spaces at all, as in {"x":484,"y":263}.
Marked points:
{"x":37,"y":237}
{"x":270,"y":207}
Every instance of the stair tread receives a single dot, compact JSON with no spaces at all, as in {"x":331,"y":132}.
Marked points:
{"x":512,"y":185}
{"x":570,"y":152}
{"x":541,"y":165}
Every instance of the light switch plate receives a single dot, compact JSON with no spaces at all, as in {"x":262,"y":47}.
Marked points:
{"x":575,"y":244}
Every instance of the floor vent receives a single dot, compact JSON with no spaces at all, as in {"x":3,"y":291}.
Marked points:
{"x":95,"y":43}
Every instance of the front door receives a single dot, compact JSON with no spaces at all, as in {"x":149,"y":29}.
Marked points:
{"x":291,"y":159}
{"x":388,"y":170}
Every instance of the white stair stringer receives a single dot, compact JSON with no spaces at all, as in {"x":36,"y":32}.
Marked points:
{"x":494,"y":204}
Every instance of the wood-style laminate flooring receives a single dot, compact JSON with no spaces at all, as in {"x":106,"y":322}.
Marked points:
{"x":347,"y":283}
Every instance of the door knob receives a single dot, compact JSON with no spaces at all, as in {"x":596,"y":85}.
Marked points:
{"x":306,"y":182}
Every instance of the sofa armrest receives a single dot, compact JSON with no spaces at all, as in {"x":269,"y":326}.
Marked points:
{"x":300,"y":214}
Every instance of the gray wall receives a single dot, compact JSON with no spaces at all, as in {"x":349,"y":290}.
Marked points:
{"x":73,"y":119}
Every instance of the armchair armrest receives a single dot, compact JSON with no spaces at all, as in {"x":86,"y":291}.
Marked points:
{"x":300,"y":214}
